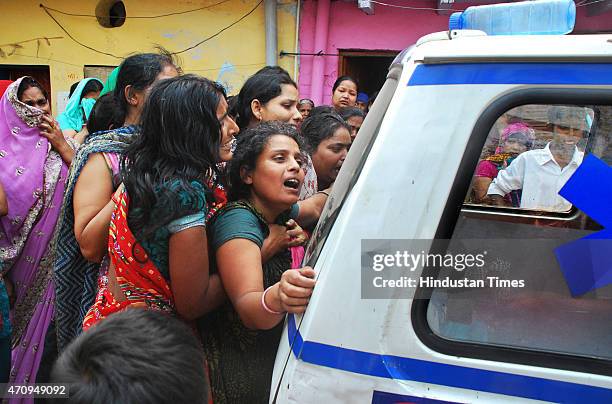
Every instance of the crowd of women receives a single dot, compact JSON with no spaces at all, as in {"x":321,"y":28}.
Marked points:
{"x":164,"y":194}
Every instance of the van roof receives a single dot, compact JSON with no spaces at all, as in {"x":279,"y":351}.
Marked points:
{"x":473,"y":46}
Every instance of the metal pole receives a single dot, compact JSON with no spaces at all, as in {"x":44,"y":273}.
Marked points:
{"x":271,"y":42}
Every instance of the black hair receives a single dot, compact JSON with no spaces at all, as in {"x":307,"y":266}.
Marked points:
{"x":72,"y":88}
{"x":317,"y":128}
{"x":263,"y":86}
{"x":29,"y":82}
{"x":272,"y":70}
{"x":306,"y":101}
{"x":138,"y":71}
{"x":178,"y":144}
{"x":321,"y":109}
{"x":350,"y":112}
{"x":249,"y":146}
{"x":134,"y":356}
{"x":104,"y":115}
{"x":232,"y":106}
{"x":344,"y":78}
{"x":92,"y":86}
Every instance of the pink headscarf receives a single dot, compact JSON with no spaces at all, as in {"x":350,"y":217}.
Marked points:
{"x":516,"y":129}
{"x":22,"y":156}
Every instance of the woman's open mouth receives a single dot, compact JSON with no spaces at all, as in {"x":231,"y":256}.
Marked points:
{"x":293,"y":184}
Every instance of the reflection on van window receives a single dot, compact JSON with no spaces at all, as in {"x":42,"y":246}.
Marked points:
{"x":547,"y":147}
{"x":537,"y":148}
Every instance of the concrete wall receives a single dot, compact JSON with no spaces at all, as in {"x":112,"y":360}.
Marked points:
{"x":230,"y":57}
{"x":388,"y":29}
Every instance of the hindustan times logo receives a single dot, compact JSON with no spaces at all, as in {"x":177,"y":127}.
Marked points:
{"x":405,"y":259}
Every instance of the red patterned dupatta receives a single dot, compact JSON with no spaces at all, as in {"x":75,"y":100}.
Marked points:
{"x":140,"y":281}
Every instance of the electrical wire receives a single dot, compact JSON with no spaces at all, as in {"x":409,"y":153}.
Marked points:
{"x":46,"y":9}
{"x":220,"y":31}
{"x":414,"y":8}
{"x":136,"y":16}
{"x":74,"y":39}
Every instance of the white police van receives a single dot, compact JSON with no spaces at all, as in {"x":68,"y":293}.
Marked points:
{"x":410,"y":176}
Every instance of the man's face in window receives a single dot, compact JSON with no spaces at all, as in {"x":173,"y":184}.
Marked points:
{"x":568,"y":135}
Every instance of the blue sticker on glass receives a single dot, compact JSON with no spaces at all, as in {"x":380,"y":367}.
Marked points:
{"x":587,"y":263}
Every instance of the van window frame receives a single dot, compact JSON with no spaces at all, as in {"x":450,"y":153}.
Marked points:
{"x":450,"y":217}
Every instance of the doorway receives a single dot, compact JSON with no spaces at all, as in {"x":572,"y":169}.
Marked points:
{"x":369,"y":68}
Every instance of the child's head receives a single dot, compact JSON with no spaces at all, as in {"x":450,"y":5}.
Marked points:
{"x":267,"y":165}
{"x":104,"y":115}
{"x":327,"y":139}
{"x":134,"y":356}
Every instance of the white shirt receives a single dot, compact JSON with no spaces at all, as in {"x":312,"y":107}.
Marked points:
{"x":540,"y":177}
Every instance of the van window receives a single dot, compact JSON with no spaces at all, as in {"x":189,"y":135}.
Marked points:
{"x":530,"y":153}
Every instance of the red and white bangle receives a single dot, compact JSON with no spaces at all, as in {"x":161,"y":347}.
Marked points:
{"x":265,"y":306}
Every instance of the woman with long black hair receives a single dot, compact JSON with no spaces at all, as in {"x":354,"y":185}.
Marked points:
{"x":157,"y":243}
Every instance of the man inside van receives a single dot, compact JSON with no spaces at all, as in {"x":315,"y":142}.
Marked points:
{"x":541,"y":173}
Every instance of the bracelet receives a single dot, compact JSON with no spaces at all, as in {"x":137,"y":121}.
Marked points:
{"x":323,"y":192}
{"x":264,"y":305}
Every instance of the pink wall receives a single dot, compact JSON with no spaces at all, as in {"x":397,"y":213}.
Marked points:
{"x":388,"y":29}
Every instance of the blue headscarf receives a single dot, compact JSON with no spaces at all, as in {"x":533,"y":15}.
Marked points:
{"x":72,"y":117}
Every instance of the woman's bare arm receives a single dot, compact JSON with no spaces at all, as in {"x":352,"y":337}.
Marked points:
{"x":480,"y":187}
{"x":93,"y":208}
{"x":188,"y":261}
{"x":239,"y":263}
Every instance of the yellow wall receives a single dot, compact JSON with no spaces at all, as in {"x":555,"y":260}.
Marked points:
{"x":231,"y":57}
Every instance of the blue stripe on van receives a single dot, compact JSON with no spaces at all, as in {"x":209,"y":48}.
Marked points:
{"x":382,"y":397}
{"x":395,"y":367}
{"x":512,"y":73}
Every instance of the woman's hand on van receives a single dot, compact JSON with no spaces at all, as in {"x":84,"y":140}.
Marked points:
{"x":295,"y":289}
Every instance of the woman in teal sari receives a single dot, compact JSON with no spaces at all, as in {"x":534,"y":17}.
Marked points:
{"x":242,"y":336}
{"x":79,"y":107}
